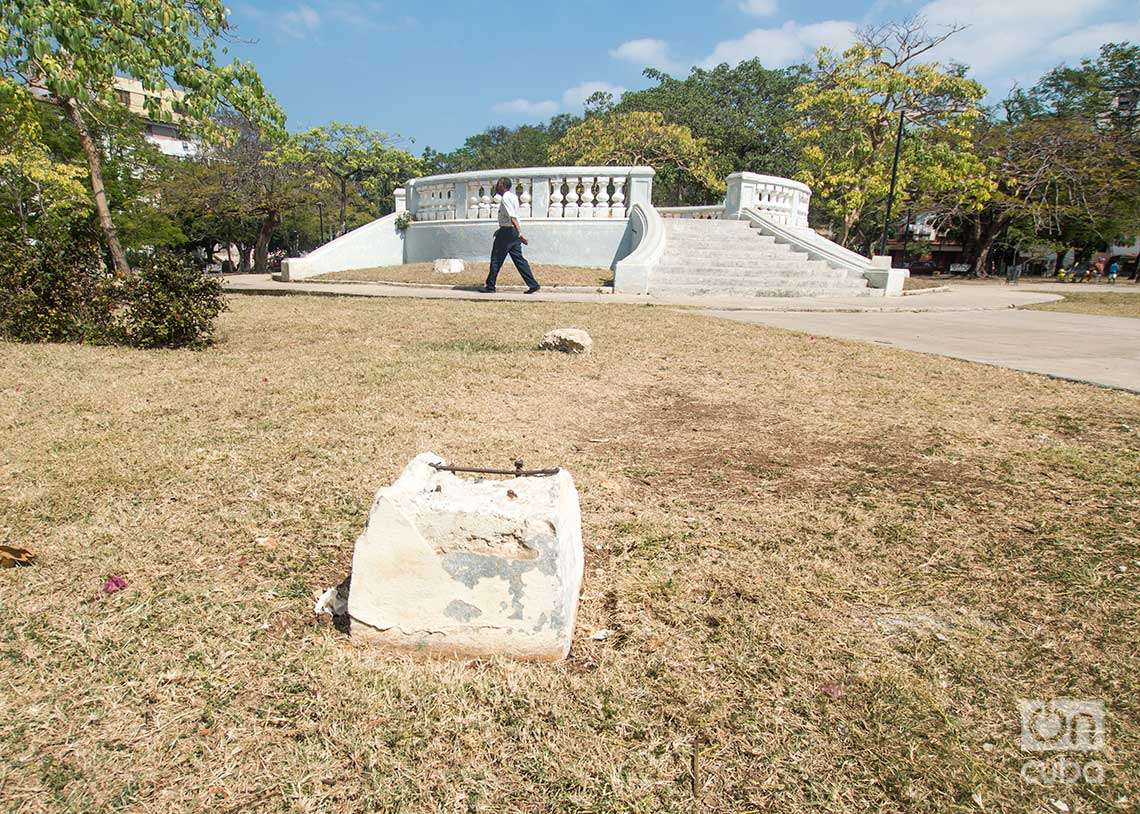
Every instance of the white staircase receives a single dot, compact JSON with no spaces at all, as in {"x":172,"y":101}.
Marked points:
{"x":729,"y":258}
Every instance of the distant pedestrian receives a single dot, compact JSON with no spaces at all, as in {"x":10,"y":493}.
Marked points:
{"x":509,"y":240}
{"x":1113,"y":270}
{"x":1013,"y":274}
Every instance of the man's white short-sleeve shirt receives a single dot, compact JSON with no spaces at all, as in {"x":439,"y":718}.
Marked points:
{"x":508,"y":207}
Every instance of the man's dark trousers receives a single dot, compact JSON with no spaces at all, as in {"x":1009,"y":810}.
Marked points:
{"x":507,"y":242}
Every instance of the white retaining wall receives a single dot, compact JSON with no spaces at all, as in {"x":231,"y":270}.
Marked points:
{"x":594,"y":243}
{"x":378,"y":243}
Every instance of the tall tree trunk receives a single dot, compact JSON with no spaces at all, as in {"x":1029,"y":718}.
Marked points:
{"x":261,"y":249}
{"x":91,"y":151}
{"x":985,"y":238}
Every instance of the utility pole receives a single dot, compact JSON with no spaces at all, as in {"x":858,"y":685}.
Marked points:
{"x":894,"y":177}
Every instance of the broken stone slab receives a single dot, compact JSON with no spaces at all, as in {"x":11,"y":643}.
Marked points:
{"x":453,"y":566}
{"x":447,"y":266}
{"x":567,"y":340}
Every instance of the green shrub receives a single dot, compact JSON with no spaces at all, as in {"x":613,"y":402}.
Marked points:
{"x":55,"y":289}
{"x":59,"y":289}
{"x":168,"y":303}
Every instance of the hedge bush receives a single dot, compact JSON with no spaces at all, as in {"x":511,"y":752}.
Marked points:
{"x":60,"y":290}
{"x":168,"y":303}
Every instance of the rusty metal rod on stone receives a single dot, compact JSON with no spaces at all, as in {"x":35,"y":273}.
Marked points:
{"x":517,"y":472}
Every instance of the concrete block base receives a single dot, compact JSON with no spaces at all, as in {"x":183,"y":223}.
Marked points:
{"x":453,"y":566}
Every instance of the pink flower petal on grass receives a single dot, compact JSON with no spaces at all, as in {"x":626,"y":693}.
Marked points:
{"x":114,"y":584}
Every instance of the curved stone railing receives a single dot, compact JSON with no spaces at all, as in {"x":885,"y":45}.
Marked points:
{"x":780,"y":200}
{"x":544,"y":192}
{"x":631,"y":273}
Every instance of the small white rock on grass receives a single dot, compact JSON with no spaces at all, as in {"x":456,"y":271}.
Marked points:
{"x":447,"y":266}
{"x":567,"y":340}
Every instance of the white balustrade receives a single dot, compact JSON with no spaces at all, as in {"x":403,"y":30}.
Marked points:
{"x":780,"y":200}
{"x":544,"y":192}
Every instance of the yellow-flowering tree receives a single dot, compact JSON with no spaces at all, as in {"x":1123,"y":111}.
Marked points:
{"x":37,"y":190}
{"x":849,"y":115}
{"x":642,"y":138}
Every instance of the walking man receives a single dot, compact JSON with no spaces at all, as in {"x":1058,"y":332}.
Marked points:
{"x":509,"y":240}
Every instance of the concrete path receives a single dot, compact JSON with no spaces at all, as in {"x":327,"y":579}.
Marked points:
{"x":972,"y":298}
{"x":1092,"y":349}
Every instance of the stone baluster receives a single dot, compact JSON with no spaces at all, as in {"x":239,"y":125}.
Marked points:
{"x":472,"y":199}
{"x":498,"y":199}
{"x":525,"y":198}
{"x":617,"y":208}
{"x":602,"y":207}
{"x":586,"y":207}
{"x":484,"y":200}
{"x":556,"y":197}
{"x":571,"y":210}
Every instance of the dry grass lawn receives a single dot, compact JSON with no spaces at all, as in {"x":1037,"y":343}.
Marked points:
{"x":1097,"y":303}
{"x":473,"y":275}
{"x":913,"y":283}
{"x":831,"y":569}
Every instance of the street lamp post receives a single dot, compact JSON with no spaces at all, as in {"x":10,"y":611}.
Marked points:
{"x":321,"y":213}
{"x":894,"y":177}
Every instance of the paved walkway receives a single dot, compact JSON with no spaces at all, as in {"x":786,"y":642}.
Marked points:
{"x":1091,"y":349}
{"x":972,"y":298}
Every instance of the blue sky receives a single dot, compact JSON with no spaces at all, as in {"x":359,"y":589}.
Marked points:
{"x":438,"y":72}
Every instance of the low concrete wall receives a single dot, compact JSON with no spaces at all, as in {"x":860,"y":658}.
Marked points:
{"x":378,"y":243}
{"x":566,"y":242}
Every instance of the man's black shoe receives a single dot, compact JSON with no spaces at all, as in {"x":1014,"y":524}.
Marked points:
{"x":487,"y":289}
{"x":533,"y":290}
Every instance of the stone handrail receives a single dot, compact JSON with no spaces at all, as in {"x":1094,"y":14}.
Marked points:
{"x":544,"y":192}
{"x":808,"y":241}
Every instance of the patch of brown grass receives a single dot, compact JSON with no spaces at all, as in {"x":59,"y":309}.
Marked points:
{"x":474,"y":274}
{"x":913,"y":283}
{"x":766,"y":516}
{"x":1097,"y":303}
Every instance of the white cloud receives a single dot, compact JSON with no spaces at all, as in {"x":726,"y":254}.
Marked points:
{"x":299,"y":22}
{"x":574,"y":97}
{"x":789,"y":43}
{"x":644,"y":52}
{"x":547,"y":107}
{"x":758,"y":8}
{"x":1011,"y":35}
{"x":1088,"y":40}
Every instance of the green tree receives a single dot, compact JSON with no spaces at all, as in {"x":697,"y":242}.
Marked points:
{"x":641,"y":138}
{"x":848,"y":118}
{"x":72,"y":50}
{"x":1064,"y":161}
{"x":744,"y":112}
{"x":353,"y":159}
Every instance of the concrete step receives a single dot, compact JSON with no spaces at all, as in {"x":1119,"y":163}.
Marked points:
{"x":765,"y":278}
{"x":705,"y":225}
{"x":748,"y":269}
{"x":725,"y":257}
{"x":759,"y":291}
